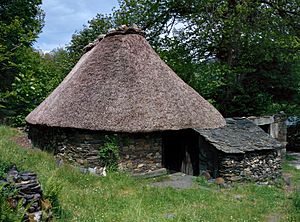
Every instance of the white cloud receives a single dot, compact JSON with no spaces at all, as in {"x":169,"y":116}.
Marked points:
{"x":64,"y":17}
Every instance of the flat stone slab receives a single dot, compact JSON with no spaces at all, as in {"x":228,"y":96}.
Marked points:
{"x":176,"y":180}
{"x":294,"y":163}
{"x":155,"y":173}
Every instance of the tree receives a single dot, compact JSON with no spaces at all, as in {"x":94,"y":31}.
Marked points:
{"x":249,"y":47}
{"x":242,"y":55}
{"x":39,"y":74}
{"x":20,"y":23}
{"x":98,"y":25}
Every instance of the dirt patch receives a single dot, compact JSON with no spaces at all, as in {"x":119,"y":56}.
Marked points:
{"x":176,"y":180}
{"x":22,"y":139}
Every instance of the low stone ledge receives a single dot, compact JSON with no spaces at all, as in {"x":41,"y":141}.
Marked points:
{"x":151,"y":174}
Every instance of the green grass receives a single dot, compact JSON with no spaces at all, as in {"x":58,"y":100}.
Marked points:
{"x":119,"y":197}
{"x":290,"y":158}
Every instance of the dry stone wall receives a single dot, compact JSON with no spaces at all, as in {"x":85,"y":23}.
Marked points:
{"x":141,"y":152}
{"x":251,"y":166}
{"x":138,"y":152}
{"x":27,"y":195}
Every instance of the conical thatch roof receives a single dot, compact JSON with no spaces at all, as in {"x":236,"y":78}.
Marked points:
{"x":122,"y":85}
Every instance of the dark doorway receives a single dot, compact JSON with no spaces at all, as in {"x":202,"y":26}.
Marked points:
{"x":181,"y":152}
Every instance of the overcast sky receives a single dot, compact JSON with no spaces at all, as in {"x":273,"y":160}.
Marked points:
{"x":64,"y":17}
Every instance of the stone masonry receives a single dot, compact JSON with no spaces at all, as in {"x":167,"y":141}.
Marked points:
{"x":252,"y":166}
{"x":138,"y":152}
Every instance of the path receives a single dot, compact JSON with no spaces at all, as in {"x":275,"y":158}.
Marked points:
{"x":176,"y":180}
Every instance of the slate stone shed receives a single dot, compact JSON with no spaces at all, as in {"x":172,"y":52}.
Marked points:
{"x":121,"y":86}
{"x":239,"y":151}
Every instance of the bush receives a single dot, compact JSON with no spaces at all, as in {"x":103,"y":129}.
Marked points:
{"x":4,"y":167}
{"x":9,"y":213}
{"x":37,"y":77}
{"x":51,"y":193}
{"x":109,"y":152}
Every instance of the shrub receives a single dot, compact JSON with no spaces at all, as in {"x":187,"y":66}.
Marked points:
{"x":109,"y":152}
{"x":51,"y":193}
{"x":7,"y":212}
{"x":4,"y":167}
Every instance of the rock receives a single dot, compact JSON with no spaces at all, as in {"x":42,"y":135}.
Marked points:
{"x":101,"y":36}
{"x":134,"y":26}
{"x":219,"y":181}
{"x":12,"y":175}
{"x":83,"y":170}
{"x":170,"y":215}
{"x":92,"y":170}
{"x":140,"y":165}
{"x":91,"y":158}
{"x":149,"y":156}
{"x":154,"y":173}
{"x":28,"y":194}
{"x":238,"y":197}
{"x":206,"y":175}
{"x":80,"y":161}
{"x":101,"y":171}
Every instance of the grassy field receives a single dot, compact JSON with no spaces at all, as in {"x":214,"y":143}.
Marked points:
{"x":119,"y":197}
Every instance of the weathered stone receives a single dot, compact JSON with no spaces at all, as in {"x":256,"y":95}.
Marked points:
{"x":155,"y":173}
{"x":28,"y":195}
{"x":219,"y":180}
{"x":140,"y":165}
{"x":82,"y":147}
{"x":247,"y":170}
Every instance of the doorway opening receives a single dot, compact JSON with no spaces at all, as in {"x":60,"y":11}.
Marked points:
{"x":181,"y":152}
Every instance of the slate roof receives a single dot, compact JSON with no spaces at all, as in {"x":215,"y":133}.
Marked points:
{"x":240,"y":135}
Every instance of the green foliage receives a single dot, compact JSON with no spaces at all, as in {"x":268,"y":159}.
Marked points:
{"x":296,"y":200}
{"x":20,"y":23}
{"x":97,"y":26}
{"x":109,"y":152}
{"x":52,"y":193}
{"x":202,"y":181}
{"x":7,"y":214}
{"x":38,"y":76}
{"x":4,"y":167}
{"x":243,"y":56}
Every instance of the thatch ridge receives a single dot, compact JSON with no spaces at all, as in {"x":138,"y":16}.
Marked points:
{"x":122,"y":85}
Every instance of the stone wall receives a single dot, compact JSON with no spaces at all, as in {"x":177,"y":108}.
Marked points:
{"x":279,"y":122}
{"x":138,"y":152}
{"x":27,"y":195}
{"x":141,"y":152}
{"x":276,"y":124}
{"x":252,"y":166}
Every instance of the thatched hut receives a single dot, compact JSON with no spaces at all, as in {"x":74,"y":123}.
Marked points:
{"x":120,"y":86}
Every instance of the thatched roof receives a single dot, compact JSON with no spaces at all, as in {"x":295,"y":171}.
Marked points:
{"x":240,"y":135}
{"x":120,"y":84}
